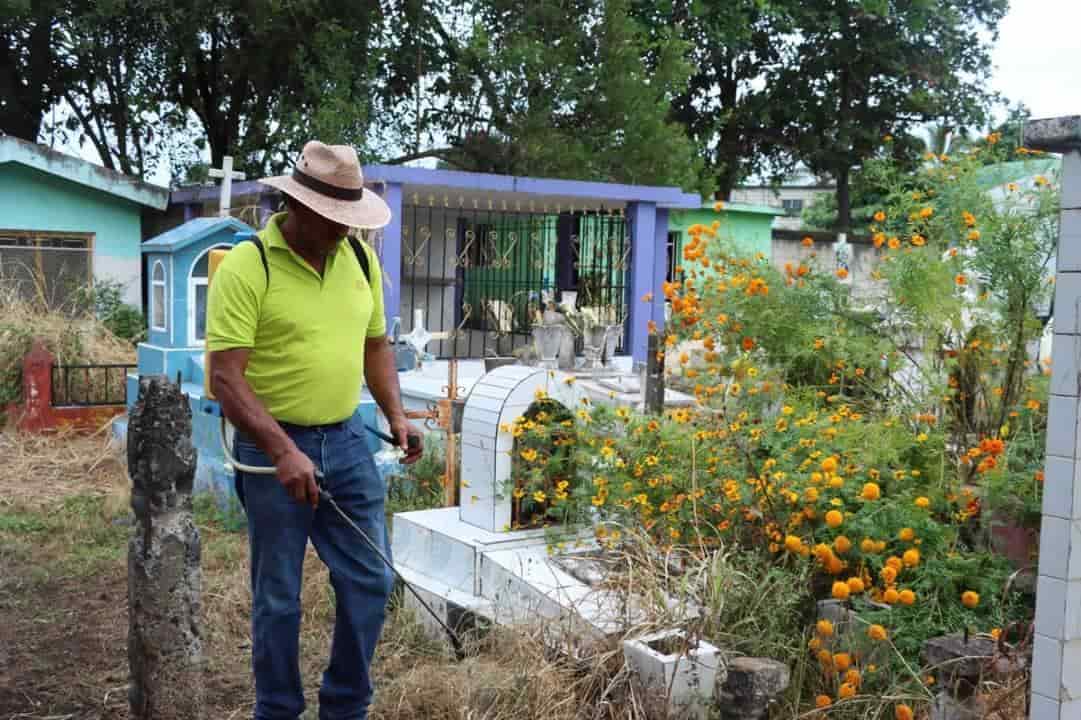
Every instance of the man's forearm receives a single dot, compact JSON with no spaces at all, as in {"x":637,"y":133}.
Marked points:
{"x":381,"y":376}
{"x":244,"y":410}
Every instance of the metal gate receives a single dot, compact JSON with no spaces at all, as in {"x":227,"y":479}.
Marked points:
{"x":481,"y":272}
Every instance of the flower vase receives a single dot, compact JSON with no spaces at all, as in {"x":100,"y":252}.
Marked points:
{"x":593,"y":341}
{"x":546,"y":341}
{"x":612,"y":336}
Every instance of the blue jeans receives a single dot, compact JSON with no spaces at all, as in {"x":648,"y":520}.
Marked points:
{"x":278,"y":531}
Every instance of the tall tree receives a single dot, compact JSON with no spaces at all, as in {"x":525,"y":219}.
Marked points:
{"x":724,"y":106}
{"x":561,"y":88}
{"x":32,"y":70}
{"x":859,"y":70}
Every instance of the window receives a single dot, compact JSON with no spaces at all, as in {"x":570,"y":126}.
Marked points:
{"x":157,"y":297}
{"x":674,"y":248}
{"x":792,"y":207}
{"x":197,"y":298}
{"x":45,"y":266}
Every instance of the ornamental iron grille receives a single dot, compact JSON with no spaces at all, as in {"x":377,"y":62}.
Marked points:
{"x":480,"y":271}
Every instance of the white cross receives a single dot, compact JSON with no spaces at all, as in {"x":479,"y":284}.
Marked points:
{"x":227,"y":175}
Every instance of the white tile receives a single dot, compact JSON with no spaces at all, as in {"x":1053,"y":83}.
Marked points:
{"x":1054,"y":547}
{"x":1069,"y":243}
{"x":1067,"y":297}
{"x":1073,"y":562}
{"x":1050,"y":606}
{"x":1071,"y":180}
{"x":1043,"y":708}
{"x":1061,"y":425}
{"x":1065,"y":359}
{"x":1046,"y":670}
{"x":1070,"y":710}
{"x":1071,"y":672}
{"x":1058,"y":487}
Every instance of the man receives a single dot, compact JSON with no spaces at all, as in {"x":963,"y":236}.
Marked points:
{"x":290,"y":344}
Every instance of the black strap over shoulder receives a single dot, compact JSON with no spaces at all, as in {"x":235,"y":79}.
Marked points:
{"x":358,"y":250}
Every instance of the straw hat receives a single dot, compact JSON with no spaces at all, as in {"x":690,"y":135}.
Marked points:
{"x":328,"y":179}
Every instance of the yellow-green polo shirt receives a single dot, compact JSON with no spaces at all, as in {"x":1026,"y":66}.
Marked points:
{"x":306,"y":333}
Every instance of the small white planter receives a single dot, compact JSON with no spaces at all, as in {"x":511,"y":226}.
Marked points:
{"x":665,"y":667}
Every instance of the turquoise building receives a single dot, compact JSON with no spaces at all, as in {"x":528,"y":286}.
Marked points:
{"x":65,"y":222}
{"x":748,"y":227}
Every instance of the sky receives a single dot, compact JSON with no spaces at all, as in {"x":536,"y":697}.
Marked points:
{"x":1037,"y":57}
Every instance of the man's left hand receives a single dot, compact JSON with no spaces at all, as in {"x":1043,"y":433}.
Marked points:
{"x":403,"y":430}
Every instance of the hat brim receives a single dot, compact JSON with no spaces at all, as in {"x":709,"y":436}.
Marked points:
{"x":370,"y":212}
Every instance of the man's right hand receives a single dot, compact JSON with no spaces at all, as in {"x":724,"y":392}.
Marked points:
{"x":296,"y":473}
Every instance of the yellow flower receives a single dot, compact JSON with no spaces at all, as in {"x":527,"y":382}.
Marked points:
{"x":973,"y":235}
{"x":787,"y":410}
{"x":877,"y":632}
{"x":926,"y":212}
{"x":598,"y":500}
{"x":871,"y":491}
{"x":834,"y":518}
{"x":829,"y":465}
{"x":923,"y":503}
{"x":529,"y":454}
{"x":970,"y":599}
{"x":539,"y":496}
{"x":540,"y":395}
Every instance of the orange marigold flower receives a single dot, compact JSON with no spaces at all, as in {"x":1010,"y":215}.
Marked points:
{"x":877,"y":632}
{"x":842,"y":661}
{"x":919,"y":240}
{"x":841,"y":544}
{"x":973,"y":235}
{"x":824,"y":628}
{"x":840,"y":590}
{"x":960,"y":280}
{"x":891,"y":596}
{"x":906,"y":534}
{"x":969,"y":218}
{"x":846,"y":691}
{"x":867,"y":545}
{"x":880,"y":216}
{"x":907,"y":597}
{"x":793,"y":544}
{"x":853,"y":678}
{"x":823,"y":701}
{"x":923,"y":503}
{"x":807,"y":241}
{"x":829,"y":465}
{"x":748,"y":344}
{"x":903,"y":712}
{"x":855,"y":585}
{"x":834,"y":518}
{"x":871,"y":491}
{"x":842,"y":273}
{"x":911,"y":557}
{"x":718,"y":206}
{"x":926,"y":212}
{"x":970,"y":599}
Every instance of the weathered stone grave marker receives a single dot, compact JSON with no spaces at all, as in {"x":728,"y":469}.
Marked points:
{"x":165,"y":649}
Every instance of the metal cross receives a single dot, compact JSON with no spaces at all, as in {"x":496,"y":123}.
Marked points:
{"x":227,"y":175}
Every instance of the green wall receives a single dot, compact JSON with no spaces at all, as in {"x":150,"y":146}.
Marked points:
{"x":33,"y":200}
{"x":749,"y":227}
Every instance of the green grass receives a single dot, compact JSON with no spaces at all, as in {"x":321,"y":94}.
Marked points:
{"x":22,"y":523}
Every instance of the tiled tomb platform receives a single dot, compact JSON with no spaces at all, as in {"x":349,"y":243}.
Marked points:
{"x":470,"y":568}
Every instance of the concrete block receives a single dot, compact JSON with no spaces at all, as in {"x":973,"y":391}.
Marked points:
{"x":1071,"y":181}
{"x":1066,"y":358}
{"x":1054,"y":547}
{"x":1072,"y":629}
{"x":1067,"y":302}
{"x":1069,"y":710}
{"x":1061,"y":425}
{"x":751,"y":686}
{"x":1046,"y":667}
{"x":1050,"y":606}
{"x":1043,"y":708}
{"x":1069,"y":241}
{"x":1059,"y":490}
{"x":669,"y":659}
{"x":1070,"y":690}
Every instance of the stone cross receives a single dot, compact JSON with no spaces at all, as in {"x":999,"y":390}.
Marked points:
{"x":1056,"y":661}
{"x":165,"y":649}
{"x":227,"y":176}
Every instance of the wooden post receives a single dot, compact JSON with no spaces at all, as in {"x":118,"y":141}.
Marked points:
{"x":654,"y":389}
{"x":165,"y":649}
